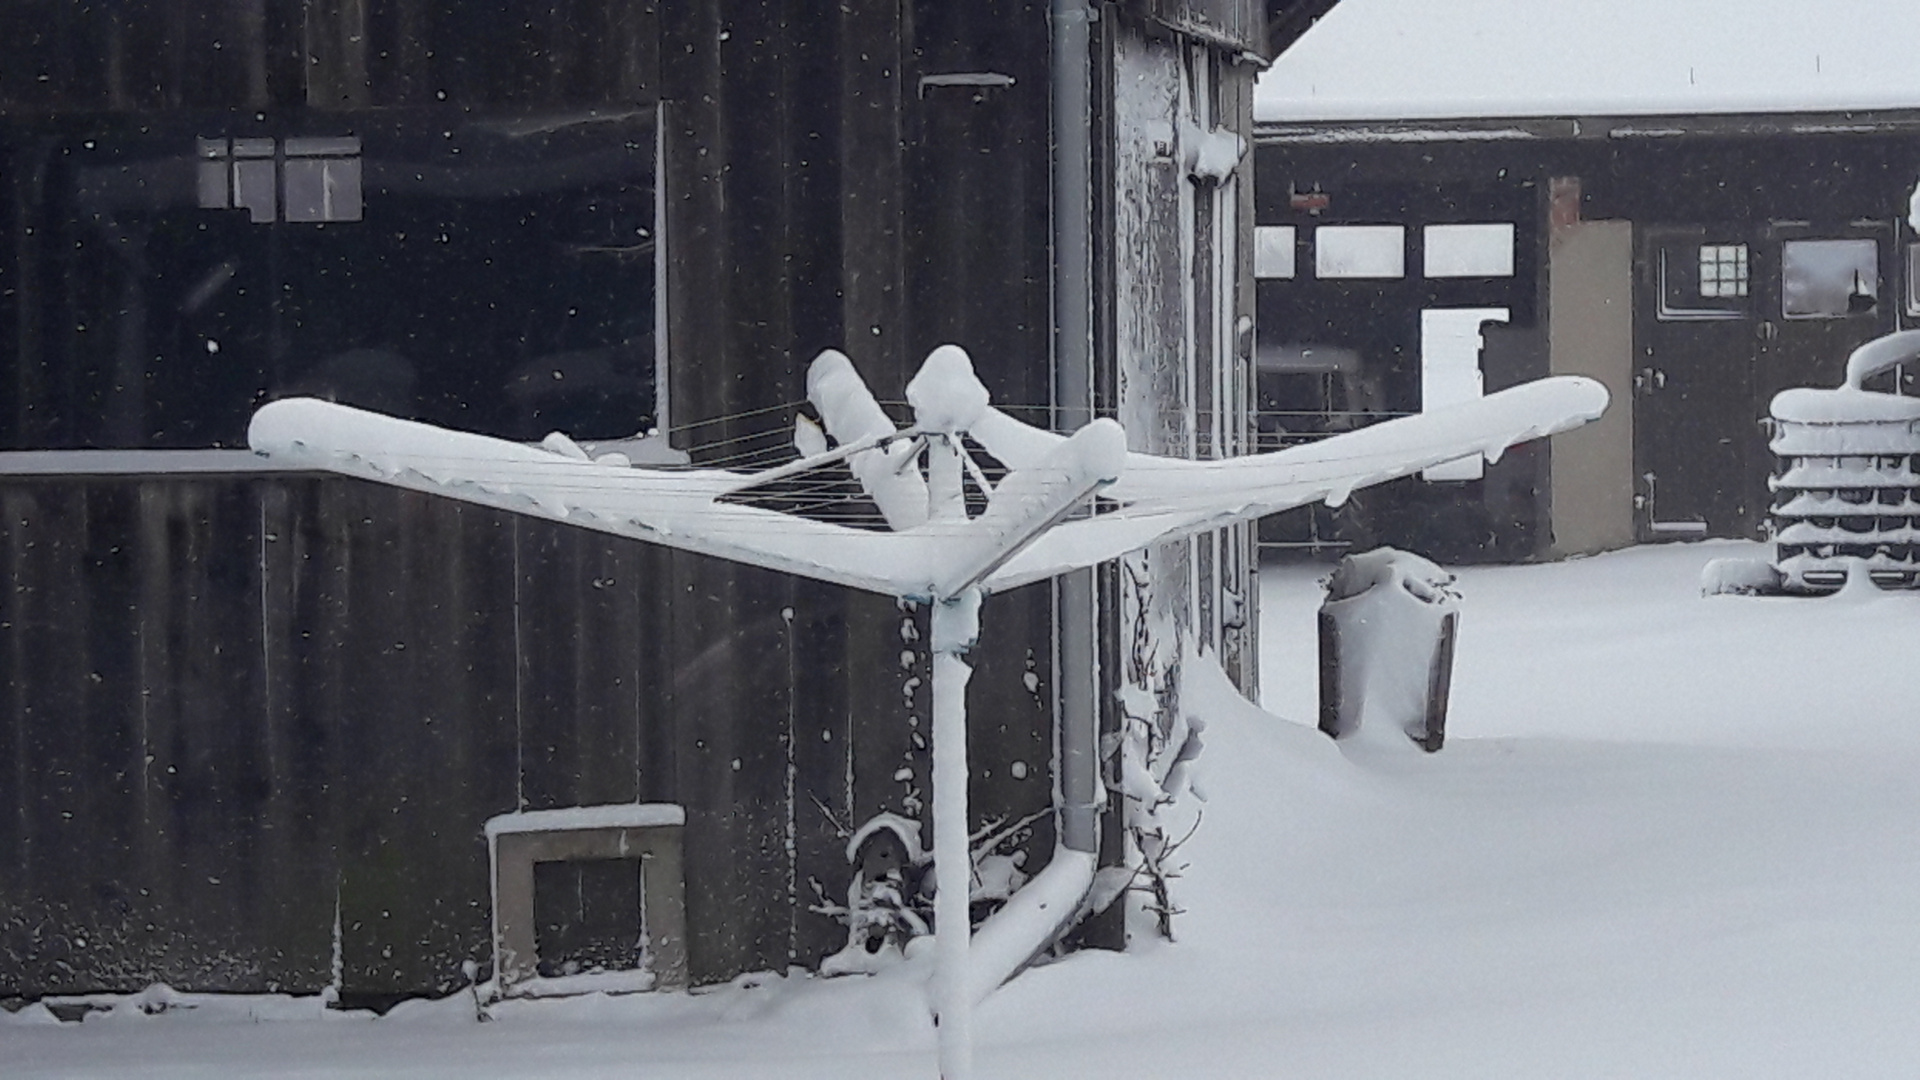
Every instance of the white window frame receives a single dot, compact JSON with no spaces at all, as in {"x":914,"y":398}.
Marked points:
{"x":304,"y":179}
{"x":1468,"y":250}
{"x":1834,"y":242}
{"x":1273,"y":252}
{"x":1360,"y":252}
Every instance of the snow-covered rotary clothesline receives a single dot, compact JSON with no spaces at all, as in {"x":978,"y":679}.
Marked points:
{"x":936,"y":550}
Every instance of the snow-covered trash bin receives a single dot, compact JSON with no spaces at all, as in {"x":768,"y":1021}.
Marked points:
{"x":1386,"y":649}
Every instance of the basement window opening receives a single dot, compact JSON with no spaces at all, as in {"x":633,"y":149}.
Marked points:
{"x":588,"y":918}
{"x":588,"y":898}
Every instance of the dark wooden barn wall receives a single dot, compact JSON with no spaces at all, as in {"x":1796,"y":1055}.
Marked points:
{"x":820,"y":195}
{"x":1740,"y":176}
{"x":155,"y":55}
{"x":100,"y":105}
{"x":238,"y":708}
{"x":1736,"y":174}
{"x":1495,"y":519}
{"x":1734,"y":179}
{"x":457,"y":295}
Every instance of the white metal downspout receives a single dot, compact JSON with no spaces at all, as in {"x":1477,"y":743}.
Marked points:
{"x":1031,"y":920}
{"x":1075,"y":676}
{"x":662,"y":343}
{"x":1036,"y":915}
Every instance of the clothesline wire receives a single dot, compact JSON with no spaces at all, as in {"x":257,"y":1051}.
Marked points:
{"x":563,"y":466}
{"x":783,"y":429}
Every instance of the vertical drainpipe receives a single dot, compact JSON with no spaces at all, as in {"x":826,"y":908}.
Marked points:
{"x":1075,"y":616}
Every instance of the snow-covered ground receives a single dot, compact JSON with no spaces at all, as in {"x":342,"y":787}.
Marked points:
{"x":1669,"y":837}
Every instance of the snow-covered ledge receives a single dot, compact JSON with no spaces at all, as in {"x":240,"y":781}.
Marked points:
{"x":649,"y":832}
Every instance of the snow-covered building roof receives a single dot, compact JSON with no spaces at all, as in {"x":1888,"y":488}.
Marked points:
{"x":1415,"y":59}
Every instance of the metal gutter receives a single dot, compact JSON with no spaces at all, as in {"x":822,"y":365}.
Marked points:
{"x":1034,"y":917}
{"x":1076,"y":668}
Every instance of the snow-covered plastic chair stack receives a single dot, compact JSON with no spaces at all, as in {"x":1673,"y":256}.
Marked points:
{"x":1846,"y":492}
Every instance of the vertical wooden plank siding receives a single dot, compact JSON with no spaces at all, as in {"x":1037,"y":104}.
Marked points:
{"x":237,"y":706}
{"x":255,"y":704}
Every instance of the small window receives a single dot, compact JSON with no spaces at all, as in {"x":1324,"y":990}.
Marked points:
{"x":322,"y":179}
{"x":238,"y":174}
{"x":319,"y":177}
{"x":1829,"y":279}
{"x":1360,"y":251}
{"x":1702,"y":282}
{"x":1273,"y":251}
{"x":1468,"y":251}
{"x":1723,"y":270}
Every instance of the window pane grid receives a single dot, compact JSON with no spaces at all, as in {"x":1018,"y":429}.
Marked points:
{"x":1723,"y":270}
